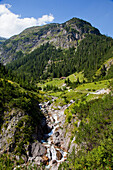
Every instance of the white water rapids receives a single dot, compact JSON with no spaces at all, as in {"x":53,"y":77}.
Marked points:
{"x":55,"y":154}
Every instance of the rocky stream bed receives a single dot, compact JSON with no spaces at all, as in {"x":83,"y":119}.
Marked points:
{"x":56,"y":152}
{"x":56,"y":141}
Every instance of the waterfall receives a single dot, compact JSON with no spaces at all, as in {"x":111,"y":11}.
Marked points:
{"x":49,"y":154}
{"x":53,"y":152}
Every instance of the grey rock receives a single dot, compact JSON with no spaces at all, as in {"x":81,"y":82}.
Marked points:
{"x":38,"y":160}
{"x":38,"y":149}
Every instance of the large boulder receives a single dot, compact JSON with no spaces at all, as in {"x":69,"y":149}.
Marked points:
{"x":37,"y":149}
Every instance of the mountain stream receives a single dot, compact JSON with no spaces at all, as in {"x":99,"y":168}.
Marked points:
{"x":55,"y":120}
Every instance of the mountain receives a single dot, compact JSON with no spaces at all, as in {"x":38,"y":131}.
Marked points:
{"x":56,"y":50}
{"x":47,"y":61}
{"x":56,"y":98}
{"x":63,"y":35}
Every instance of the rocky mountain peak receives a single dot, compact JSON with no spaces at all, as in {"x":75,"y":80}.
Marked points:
{"x":63,"y":35}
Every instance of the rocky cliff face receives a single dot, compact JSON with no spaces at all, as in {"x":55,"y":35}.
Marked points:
{"x":19,"y":138}
{"x":63,"y":35}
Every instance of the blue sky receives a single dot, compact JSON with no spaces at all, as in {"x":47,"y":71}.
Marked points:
{"x":20,"y":14}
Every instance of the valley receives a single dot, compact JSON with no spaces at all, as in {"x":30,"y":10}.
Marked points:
{"x":56,"y":98}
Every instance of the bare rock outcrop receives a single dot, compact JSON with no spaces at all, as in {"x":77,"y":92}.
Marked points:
{"x":38,"y":149}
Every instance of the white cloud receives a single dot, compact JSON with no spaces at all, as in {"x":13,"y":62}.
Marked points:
{"x":43,"y":20}
{"x":11,"y":24}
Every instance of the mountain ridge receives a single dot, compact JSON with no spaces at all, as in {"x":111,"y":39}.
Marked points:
{"x":63,"y":35}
